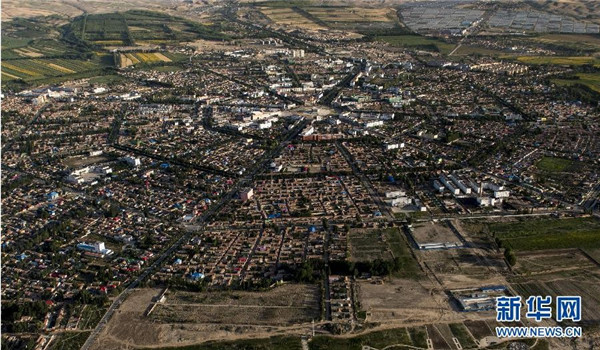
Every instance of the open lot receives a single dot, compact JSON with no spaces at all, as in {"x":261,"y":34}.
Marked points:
{"x":189,"y":318}
{"x":402,"y":301}
{"x":282,"y":306}
{"x":431,"y":232}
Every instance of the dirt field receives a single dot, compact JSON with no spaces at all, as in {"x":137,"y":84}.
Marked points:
{"x":190,"y":318}
{"x":465,"y":268}
{"x":433,"y":233}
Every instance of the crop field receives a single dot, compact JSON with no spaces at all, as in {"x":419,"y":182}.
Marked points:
{"x":560,"y":272}
{"x":570,"y":61}
{"x":302,"y":14}
{"x":552,"y":261}
{"x":127,"y":28}
{"x":128,"y":59}
{"x":34,"y":69}
{"x":289,"y":16}
{"x":549,"y":233}
{"x":591,"y":80}
{"x":571,"y":41}
{"x":461,"y":333}
{"x":417,"y":42}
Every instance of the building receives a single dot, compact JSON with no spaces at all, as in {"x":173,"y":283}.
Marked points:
{"x":298,"y":53}
{"x":486,"y":201}
{"x":394,"y":194}
{"x":132,"y":161}
{"x":97,"y":248}
{"x":438,"y":186}
{"x":246,"y":194}
{"x":501,"y":194}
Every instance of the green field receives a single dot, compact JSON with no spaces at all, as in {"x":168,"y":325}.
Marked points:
{"x":554,"y":164}
{"x":558,"y":60}
{"x":377,"y":340}
{"x":549,"y":233}
{"x":417,"y":42}
{"x":367,"y":246}
{"x":130,"y":27}
{"x":273,"y":343}
{"x":591,"y":80}
{"x":69,"y":341}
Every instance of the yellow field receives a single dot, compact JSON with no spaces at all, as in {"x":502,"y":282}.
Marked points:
{"x":108,"y":42}
{"x":60,"y":68}
{"x":128,"y":59}
{"x":577,"y":61}
{"x":353,"y":14}
{"x":28,"y":52}
{"x":20,"y":70}
{"x":288,"y":17}
{"x":8,"y":76}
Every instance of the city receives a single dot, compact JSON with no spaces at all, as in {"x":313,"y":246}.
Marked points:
{"x":297,"y":174}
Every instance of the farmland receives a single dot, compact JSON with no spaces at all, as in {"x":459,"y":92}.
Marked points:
{"x":134,"y":26}
{"x":549,"y":233}
{"x":417,"y":42}
{"x":38,"y":69}
{"x":128,"y":59}
{"x":560,"y":272}
{"x":360,"y":20}
{"x":557,"y":60}
{"x":591,"y":80}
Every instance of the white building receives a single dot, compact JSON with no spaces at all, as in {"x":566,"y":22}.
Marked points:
{"x":132,"y":161}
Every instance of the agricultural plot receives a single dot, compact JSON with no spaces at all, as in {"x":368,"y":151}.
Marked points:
{"x":128,"y":59}
{"x":35,"y":69}
{"x":560,"y":272}
{"x":290,"y":17}
{"x":356,"y":19}
{"x":549,"y":233}
{"x":417,"y":42}
{"x":568,"y":61}
{"x":135,"y":26}
{"x":591,"y":80}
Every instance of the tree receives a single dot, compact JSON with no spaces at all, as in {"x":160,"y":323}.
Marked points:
{"x":510,"y":256}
